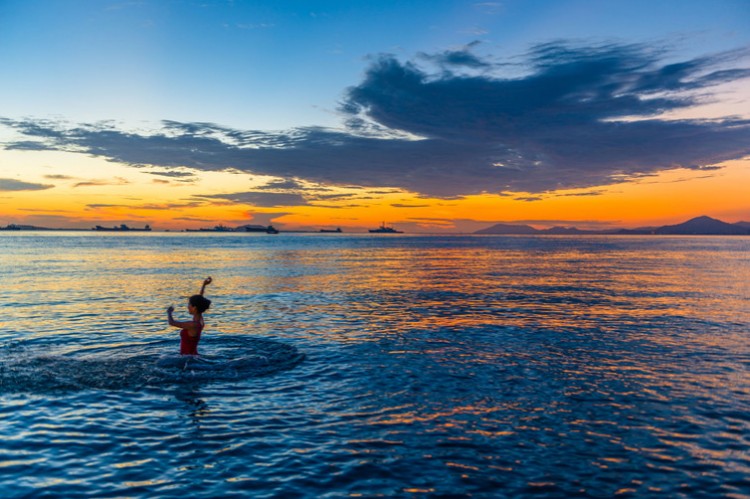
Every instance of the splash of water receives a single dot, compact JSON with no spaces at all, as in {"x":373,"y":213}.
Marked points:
{"x":25,"y":367}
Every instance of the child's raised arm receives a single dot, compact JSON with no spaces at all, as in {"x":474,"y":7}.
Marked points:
{"x":206,"y":282}
{"x":172,"y":322}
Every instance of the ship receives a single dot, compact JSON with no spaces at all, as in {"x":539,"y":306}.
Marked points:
{"x":218,"y":228}
{"x":336,"y":230}
{"x":384,"y":229}
{"x":268,"y":229}
{"x":122,"y":228}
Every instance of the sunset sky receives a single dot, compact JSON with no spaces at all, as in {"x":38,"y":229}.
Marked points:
{"x":434,"y":116}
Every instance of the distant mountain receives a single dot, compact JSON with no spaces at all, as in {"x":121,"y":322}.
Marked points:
{"x":508,"y":229}
{"x":703,"y":226}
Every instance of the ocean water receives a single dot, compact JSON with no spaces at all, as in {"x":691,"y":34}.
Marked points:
{"x":338,"y":365}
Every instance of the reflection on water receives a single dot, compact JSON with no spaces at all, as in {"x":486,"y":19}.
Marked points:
{"x":363,"y":365}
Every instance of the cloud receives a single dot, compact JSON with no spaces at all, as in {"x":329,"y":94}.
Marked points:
{"x":173,"y":173}
{"x":98,"y":206}
{"x":59,"y":177}
{"x":405,"y":205}
{"x":566,"y":223}
{"x":254,"y":26}
{"x":489,"y":7}
{"x":42,"y":210}
{"x":148,"y":206}
{"x":582,"y":194}
{"x":99,"y":183}
{"x":570,"y":117}
{"x":27,"y":145}
{"x":11,"y":185}
{"x":193,"y":219}
{"x":457,"y":58}
{"x":263,"y":199}
{"x":288,"y":184}
{"x":266,"y":218}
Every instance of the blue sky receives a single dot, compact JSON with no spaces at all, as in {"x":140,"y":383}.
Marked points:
{"x":280,"y":64}
{"x":287,"y":109}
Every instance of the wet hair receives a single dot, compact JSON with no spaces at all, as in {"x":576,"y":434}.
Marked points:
{"x":200,"y":302}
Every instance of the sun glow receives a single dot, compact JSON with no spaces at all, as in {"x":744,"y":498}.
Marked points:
{"x":74,"y":190}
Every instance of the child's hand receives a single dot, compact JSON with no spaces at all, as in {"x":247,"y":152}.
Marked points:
{"x":208,"y":281}
{"x":170,"y":309}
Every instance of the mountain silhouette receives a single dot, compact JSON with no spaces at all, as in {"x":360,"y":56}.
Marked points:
{"x":508,"y":229}
{"x":703,"y":225}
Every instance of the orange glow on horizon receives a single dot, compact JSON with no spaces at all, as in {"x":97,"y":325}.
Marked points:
{"x":83,"y":191}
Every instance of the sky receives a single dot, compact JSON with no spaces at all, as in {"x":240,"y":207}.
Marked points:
{"x":432,"y":116}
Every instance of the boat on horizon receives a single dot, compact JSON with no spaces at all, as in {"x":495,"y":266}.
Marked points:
{"x":336,"y":230}
{"x":268,"y":229}
{"x":122,"y":228}
{"x":218,"y":228}
{"x":384,"y":229}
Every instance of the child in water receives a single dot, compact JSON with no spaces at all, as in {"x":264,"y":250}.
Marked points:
{"x":191,"y":330}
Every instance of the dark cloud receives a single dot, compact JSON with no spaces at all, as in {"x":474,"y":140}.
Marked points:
{"x":173,"y":173}
{"x":27,"y":145}
{"x":578,"y":117}
{"x":11,"y":185}
{"x":288,"y":184}
{"x":458,"y":58}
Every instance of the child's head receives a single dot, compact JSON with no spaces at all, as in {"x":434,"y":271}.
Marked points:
{"x":200,"y":302}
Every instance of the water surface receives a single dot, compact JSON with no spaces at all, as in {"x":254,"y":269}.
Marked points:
{"x":359,"y":365}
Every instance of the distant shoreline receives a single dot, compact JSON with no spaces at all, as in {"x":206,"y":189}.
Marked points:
{"x":699,"y":226}
{"x":364,"y":233}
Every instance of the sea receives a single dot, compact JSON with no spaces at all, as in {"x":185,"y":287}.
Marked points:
{"x":375,"y":365}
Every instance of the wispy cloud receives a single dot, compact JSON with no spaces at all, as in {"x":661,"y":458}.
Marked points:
{"x":489,"y":7}
{"x":263,"y":199}
{"x":147,"y":206}
{"x":173,"y":173}
{"x":571,"y":116}
{"x":529,"y":199}
{"x":99,"y":183}
{"x":407,"y":205}
{"x":12,"y":185}
{"x":59,"y":177}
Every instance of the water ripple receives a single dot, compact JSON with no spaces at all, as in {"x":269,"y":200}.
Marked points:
{"x":364,"y":366}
